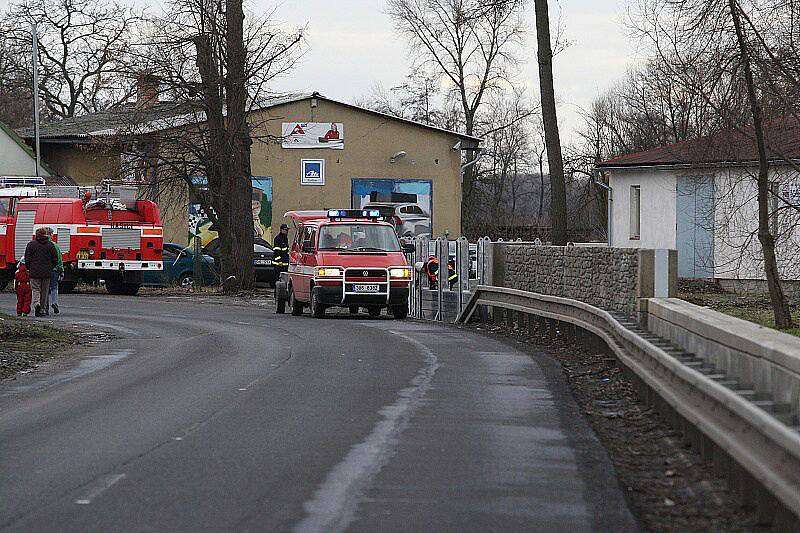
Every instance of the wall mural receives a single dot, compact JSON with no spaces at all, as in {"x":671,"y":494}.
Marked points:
{"x":407,"y":203}
{"x":200,"y":224}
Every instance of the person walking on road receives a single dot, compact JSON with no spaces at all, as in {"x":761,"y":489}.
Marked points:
{"x":281,"y":249}
{"x":41,"y":258}
{"x":22,"y":286}
{"x":56,"y":275}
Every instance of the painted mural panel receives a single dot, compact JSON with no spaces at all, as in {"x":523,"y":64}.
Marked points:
{"x":407,"y":203}
{"x":200,"y":224}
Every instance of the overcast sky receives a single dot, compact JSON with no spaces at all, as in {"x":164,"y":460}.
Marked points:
{"x":352,"y":46}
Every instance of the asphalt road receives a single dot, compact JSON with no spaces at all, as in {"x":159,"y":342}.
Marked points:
{"x":212,"y":415}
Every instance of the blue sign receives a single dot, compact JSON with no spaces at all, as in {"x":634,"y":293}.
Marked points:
{"x":312,"y":172}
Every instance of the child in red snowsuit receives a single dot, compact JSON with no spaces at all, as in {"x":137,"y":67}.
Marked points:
{"x":22,"y":284}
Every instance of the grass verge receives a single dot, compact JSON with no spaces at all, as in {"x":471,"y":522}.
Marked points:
{"x":756,"y":309}
{"x":24,"y":344}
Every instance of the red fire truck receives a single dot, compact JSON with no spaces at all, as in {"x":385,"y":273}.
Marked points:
{"x":102,"y":234}
{"x":344,"y":258}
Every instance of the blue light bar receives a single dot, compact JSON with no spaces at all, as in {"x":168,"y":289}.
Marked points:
{"x":354,"y":213}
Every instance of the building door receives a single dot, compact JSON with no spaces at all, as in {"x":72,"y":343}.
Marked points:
{"x":695,"y":226}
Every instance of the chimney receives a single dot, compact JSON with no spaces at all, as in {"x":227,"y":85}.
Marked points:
{"x":146,"y":91}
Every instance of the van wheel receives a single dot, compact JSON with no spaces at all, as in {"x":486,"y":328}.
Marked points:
{"x":374,"y":311}
{"x":399,"y":312}
{"x":294,"y":304}
{"x":317,"y":309}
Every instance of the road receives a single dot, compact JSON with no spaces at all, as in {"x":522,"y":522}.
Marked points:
{"x":210,"y":415}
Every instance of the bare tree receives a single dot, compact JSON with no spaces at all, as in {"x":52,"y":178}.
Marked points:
{"x":555,"y":162}
{"x":215,"y":66}
{"x":16,"y":100}
{"x":471,"y":45}
{"x":83,"y":44}
{"x":719,"y":50}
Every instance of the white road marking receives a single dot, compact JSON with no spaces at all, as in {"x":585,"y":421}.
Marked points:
{"x":178,"y":438}
{"x":102,"y":485}
{"x":333,"y":505}
{"x":243,"y":389}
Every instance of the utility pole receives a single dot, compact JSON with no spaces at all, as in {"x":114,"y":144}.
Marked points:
{"x":36,"y":98}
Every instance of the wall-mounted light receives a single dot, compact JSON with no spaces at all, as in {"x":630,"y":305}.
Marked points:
{"x":399,"y":155}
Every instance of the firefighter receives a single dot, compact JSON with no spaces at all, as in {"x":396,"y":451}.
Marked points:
{"x":431,"y":269}
{"x":281,"y":248}
{"x":452,"y":277}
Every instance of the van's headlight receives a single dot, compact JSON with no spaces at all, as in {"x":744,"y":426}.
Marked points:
{"x":400,"y":273}
{"x":329,"y":272}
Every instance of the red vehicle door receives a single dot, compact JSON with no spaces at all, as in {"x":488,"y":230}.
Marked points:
{"x":308,"y":260}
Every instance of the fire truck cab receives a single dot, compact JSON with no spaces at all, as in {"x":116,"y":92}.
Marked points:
{"x":344,"y":258}
{"x":101,"y":236}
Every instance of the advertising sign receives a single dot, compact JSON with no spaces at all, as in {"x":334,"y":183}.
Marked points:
{"x":312,"y":172}
{"x":406,"y":203}
{"x":200,"y":224}
{"x":313,"y":135}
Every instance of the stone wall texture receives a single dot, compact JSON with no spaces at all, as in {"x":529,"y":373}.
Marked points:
{"x":604,"y":277}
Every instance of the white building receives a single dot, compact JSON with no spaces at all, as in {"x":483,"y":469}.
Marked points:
{"x":16,"y":157}
{"x":699,"y":197}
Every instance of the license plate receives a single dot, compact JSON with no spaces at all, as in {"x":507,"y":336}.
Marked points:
{"x":82,"y":255}
{"x":262,"y":261}
{"x":366,"y":288}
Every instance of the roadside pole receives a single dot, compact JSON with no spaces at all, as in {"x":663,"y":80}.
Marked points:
{"x":36,"y":98}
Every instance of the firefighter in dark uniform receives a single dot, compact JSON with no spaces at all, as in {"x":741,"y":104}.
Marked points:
{"x":281,"y":248}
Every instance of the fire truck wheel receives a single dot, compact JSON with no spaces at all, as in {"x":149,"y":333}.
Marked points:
{"x":400,"y":312}
{"x":3,"y":284}
{"x":294,"y":304}
{"x":130,"y":289}
{"x":66,"y":287}
{"x":353,"y":309}
{"x":317,"y":309}
{"x":374,"y":311}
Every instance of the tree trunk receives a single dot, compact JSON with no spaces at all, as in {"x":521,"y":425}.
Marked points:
{"x":238,"y":273}
{"x":783,"y":318}
{"x":555,"y":162}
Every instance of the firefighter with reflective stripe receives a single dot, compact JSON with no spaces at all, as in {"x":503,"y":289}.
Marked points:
{"x":452,"y":277}
{"x":281,"y":248}
{"x":431,"y":269}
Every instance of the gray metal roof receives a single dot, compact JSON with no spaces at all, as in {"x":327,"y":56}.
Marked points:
{"x":127,"y":119}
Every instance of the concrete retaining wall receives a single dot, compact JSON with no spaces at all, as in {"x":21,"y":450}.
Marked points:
{"x":761,"y":358}
{"x":615,"y":279}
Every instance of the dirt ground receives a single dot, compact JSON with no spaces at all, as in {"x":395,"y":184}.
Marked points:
{"x":24,"y":344}
{"x":667,"y":484}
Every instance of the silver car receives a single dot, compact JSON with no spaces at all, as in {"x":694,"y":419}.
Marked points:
{"x":408,"y":219}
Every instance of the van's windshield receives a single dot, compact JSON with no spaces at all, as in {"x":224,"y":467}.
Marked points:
{"x":358,"y":237}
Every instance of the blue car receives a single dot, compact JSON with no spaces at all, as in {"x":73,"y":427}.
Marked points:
{"x":179,"y":268}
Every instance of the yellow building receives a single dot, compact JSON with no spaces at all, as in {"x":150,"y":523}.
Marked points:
{"x":308,"y":152}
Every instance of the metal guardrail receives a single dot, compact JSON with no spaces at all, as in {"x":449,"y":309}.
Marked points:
{"x":762,"y":446}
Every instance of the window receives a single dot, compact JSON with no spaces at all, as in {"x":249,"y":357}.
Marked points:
{"x":309,"y":236}
{"x":361,"y":237}
{"x":774,"y":206}
{"x":4,"y":206}
{"x":636,"y":211}
{"x":412,"y":210}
